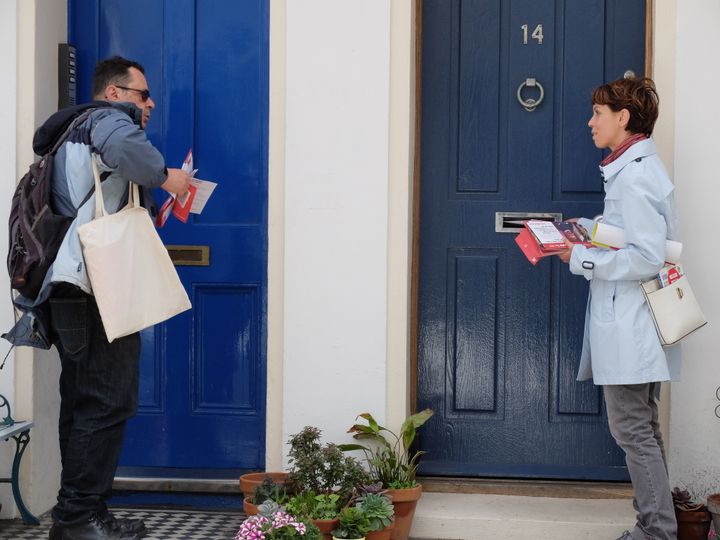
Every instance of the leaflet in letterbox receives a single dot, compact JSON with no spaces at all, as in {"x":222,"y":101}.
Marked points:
{"x":547,"y":234}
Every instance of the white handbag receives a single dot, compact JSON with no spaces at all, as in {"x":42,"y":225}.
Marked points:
{"x":133,"y":279}
{"x":674,"y":309}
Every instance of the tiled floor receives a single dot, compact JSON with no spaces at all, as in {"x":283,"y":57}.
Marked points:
{"x":161,"y":525}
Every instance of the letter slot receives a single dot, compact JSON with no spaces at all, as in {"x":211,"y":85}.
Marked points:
{"x":512,"y":222}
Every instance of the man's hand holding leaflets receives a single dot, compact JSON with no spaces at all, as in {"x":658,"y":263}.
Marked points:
{"x":192,"y":201}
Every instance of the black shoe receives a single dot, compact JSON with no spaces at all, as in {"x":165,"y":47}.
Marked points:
{"x":95,"y":528}
{"x":55,"y":532}
{"x":126,"y":525}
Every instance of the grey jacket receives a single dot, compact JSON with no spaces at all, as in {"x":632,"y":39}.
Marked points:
{"x":113,"y":133}
{"x":125,"y":152}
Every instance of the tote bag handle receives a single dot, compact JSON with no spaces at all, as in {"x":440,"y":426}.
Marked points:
{"x":100,"y":210}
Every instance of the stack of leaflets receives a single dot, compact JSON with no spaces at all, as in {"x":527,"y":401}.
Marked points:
{"x":670,"y":273}
{"x":193,"y":202}
{"x":540,"y":238}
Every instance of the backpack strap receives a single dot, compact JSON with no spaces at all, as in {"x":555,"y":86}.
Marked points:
{"x":74,"y":124}
{"x":103,"y":176}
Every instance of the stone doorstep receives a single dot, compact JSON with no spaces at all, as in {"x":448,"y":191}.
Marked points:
{"x":463,"y":516}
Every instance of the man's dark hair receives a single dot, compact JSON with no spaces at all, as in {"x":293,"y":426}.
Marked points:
{"x":115,"y":70}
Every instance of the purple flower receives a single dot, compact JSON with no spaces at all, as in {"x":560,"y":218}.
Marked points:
{"x":261,"y":528}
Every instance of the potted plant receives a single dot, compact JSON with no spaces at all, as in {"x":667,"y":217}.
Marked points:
{"x":693,"y":518}
{"x":713,"y":504}
{"x":352,"y":524}
{"x":250,"y":481}
{"x":392,"y":463}
{"x":322,"y":477}
{"x":277,"y":526}
{"x":322,"y":509}
{"x":268,"y":490}
{"x":322,"y":469}
{"x":380,"y":513}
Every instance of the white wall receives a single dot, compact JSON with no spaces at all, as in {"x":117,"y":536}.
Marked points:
{"x":336,"y":213}
{"x":695,"y":430}
{"x":8,"y":36}
{"x":401,"y":150}
{"x":274,"y":443}
{"x":41,"y":25}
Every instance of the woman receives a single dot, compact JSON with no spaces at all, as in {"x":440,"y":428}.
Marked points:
{"x":621,"y":350}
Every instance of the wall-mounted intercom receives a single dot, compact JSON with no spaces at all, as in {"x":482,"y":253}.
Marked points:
{"x":67,"y":75}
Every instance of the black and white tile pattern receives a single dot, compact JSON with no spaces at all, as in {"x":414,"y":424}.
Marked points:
{"x":161,"y":525}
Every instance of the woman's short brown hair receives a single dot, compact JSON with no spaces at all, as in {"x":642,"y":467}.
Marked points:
{"x":638,"y":96}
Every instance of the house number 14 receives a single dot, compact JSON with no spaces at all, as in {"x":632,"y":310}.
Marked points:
{"x":536,"y":34}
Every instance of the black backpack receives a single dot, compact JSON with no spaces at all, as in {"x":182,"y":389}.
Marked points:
{"x":36,"y":230}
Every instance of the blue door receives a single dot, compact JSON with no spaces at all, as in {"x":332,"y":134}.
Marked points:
{"x":499,"y":340}
{"x":202,"y":392}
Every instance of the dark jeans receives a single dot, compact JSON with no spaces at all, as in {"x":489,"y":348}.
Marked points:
{"x":99,"y":393}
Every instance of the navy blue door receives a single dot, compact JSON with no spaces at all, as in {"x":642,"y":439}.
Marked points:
{"x":202,"y":393}
{"x":499,"y":339}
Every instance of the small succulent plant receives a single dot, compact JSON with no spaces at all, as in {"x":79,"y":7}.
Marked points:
{"x":270,"y":490}
{"x":269,"y":508}
{"x":683,"y":501}
{"x":353,"y":524}
{"x":378,"y":509}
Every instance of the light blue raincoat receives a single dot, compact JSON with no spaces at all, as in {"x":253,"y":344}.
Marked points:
{"x":620,"y":345}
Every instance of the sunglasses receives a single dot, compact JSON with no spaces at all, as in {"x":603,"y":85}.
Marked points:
{"x":144,"y":94}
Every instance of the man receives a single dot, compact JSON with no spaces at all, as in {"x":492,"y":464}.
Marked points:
{"x":99,"y":380}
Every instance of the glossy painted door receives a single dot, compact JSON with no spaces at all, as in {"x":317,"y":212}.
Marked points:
{"x":499,"y":339}
{"x":202,"y":392}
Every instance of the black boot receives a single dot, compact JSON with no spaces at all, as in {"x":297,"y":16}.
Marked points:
{"x":95,"y":528}
{"x":126,"y":525}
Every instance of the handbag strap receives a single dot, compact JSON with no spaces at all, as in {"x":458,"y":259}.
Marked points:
{"x":133,"y":193}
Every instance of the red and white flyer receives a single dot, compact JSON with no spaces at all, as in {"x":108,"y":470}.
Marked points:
{"x":193,"y":202}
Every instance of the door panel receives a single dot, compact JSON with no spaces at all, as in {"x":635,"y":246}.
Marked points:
{"x":499,"y":339}
{"x":202,"y":389}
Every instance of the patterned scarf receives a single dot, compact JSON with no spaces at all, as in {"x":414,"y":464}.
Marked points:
{"x":620,"y":150}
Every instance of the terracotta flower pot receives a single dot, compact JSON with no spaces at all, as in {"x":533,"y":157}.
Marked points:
{"x":713,"y":504}
{"x":693,"y":525}
{"x":404,"y":501}
{"x":249,"y":508}
{"x":385,"y":534}
{"x":326,"y":526}
{"x":249,"y":481}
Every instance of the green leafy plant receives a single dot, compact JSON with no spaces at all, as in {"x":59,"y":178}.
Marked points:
{"x":388,"y":454}
{"x":310,"y":505}
{"x":323,"y":469}
{"x":378,"y":508}
{"x":353,"y":524}
{"x":268,"y":489}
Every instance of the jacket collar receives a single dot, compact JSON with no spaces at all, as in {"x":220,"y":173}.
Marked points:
{"x":638,"y":150}
{"x":47,"y":134}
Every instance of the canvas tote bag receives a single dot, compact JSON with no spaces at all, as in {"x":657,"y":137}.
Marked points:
{"x":133,"y":279}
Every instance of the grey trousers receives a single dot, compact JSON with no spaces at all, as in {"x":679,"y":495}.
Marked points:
{"x":633,"y":418}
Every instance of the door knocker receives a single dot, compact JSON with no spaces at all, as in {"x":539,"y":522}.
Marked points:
{"x":530,"y":104}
